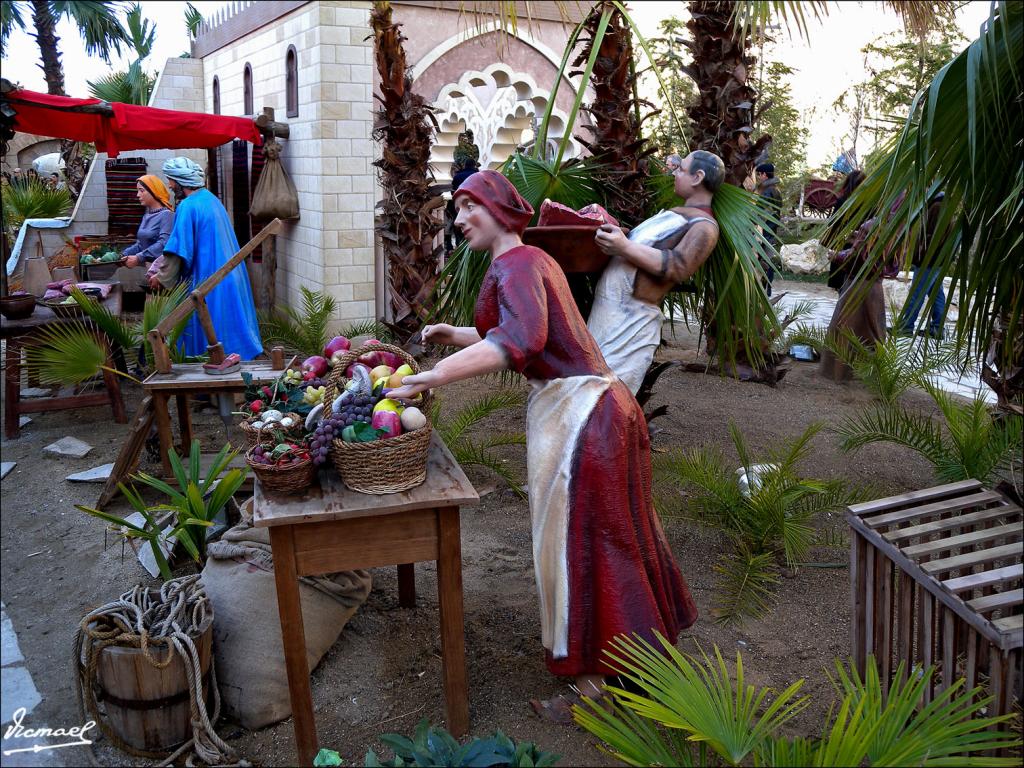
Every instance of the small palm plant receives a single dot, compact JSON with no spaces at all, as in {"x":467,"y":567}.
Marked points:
{"x":890,"y":367}
{"x":969,"y":442}
{"x":770,"y":522}
{"x":194,"y":504}
{"x":691,"y":711}
{"x":305,"y":331}
{"x":30,"y":199}
{"x":466,"y":449}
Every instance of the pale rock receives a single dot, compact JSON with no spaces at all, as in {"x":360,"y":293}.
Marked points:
{"x":5,"y":468}
{"x":68,"y":446}
{"x":810,"y":258}
{"x":24,"y":421}
{"x":94,"y":475}
{"x":35,"y":392}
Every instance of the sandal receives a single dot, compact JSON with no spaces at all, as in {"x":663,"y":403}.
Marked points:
{"x":558,"y":709}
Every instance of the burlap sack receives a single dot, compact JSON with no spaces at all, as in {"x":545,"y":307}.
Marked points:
{"x":239,"y":579}
{"x":275,"y":195}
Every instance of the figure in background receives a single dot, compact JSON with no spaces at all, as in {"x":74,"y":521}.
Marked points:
{"x":454,"y":236}
{"x":837,"y":273}
{"x":860,"y":309}
{"x":771,"y":202}
{"x":665,"y":249}
{"x":201,"y":242}
{"x":672,"y":163}
{"x":154,"y":229}
{"x":927,"y":280}
{"x":602,"y":562}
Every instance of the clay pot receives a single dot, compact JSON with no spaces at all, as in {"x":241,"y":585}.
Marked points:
{"x":18,"y":307}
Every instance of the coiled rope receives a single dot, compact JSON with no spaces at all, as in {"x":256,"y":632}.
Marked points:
{"x":165,"y":620}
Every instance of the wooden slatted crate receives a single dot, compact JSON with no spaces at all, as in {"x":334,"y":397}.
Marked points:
{"x":936,"y":579}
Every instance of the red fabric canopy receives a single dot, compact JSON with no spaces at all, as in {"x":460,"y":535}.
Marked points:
{"x":130,"y":127}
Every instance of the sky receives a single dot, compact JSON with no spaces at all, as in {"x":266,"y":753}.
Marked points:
{"x":825,"y":67}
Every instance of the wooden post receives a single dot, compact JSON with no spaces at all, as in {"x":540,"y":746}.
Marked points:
{"x":277,"y":358}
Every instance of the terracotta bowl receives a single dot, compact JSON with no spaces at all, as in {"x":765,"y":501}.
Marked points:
{"x":572,"y":247}
{"x":18,"y":307}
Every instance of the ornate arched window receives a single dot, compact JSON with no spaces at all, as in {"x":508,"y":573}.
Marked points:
{"x":291,"y":82}
{"x":216,"y":95}
{"x":247,"y":89}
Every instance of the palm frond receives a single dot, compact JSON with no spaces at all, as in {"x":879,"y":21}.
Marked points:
{"x":30,"y":199}
{"x":97,"y":24}
{"x":468,"y":454}
{"x":964,"y":127}
{"x":746,"y":585}
{"x":67,"y":353}
{"x":635,"y":740}
{"x":372,"y":328}
{"x":700,"y":697}
{"x":893,"y":424}
{"x":714,"y":495}
{"x":948,"y":730}
{"x":10,"y":17}
{"x":193,"y":20}
{"x":106,"y":321}
{"x":753,"y":17}
{"x":302,"y":331}
{"x":453,"y":428}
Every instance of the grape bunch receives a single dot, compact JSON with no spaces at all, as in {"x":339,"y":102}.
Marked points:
{"x":359,"y":408}
{"x":314,"y":382}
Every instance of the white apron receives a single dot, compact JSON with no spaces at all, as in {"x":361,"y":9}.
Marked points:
{"x":557,"y":412}
{"x":628,"y":330}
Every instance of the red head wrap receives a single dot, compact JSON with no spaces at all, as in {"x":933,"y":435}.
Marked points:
{"x":496,"y":193}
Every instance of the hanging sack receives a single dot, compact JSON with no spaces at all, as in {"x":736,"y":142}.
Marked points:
{"x":275,"y":196}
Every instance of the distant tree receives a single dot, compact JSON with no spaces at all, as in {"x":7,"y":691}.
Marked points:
{"x":663,"y":131}
{"x":134,"y":86}
{"x":782,"y":121}
{"x":899,"y":65}
{"x":99,"y":28}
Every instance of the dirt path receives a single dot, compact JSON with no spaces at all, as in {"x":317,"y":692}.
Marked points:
{"x":383,"y":675}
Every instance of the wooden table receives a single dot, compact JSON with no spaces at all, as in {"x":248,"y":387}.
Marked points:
{"x":18,"y":333}
{"x":330,"y":528}
{"x":186,"y":380}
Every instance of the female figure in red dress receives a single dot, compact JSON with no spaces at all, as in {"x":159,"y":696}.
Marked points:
{"x":602,"y":562}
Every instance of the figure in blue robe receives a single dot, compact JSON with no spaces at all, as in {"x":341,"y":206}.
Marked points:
{"x":204,"y":240}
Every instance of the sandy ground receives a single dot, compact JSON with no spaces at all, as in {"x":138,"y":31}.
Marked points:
{"x":383,"y":675}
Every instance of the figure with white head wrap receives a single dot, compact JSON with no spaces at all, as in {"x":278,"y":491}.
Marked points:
{"x":202,"y":241}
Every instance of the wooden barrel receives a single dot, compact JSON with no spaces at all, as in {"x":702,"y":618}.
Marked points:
{"x":147,"y":707}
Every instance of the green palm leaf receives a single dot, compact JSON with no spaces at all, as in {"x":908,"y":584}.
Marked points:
{"x":67,"y":353}
{"x":106,"y":321}
{"x":746,"y":585}
{"x":302,"y":331}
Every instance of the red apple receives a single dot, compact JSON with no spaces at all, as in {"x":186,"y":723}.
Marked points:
{"x":337,"y":344}
{"x":351,"y":368}
{"x":316,"y":364}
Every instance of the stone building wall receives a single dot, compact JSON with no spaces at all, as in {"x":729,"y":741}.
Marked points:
{"x":328,"y":152}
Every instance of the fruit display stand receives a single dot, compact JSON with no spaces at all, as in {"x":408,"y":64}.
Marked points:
{"x":330,"y":528}
{"x":18,"y":334}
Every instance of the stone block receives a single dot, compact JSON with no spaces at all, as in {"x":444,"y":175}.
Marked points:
{"x":356,"y":238}
{"x":349,"y":54}
{"x":5,"y":470}
{"x":338,"y":110}
{"x":68,"y":447}
{"x":810,"y":258}
{"x":363,"y":291}
{"x":353,"y":202}
{"x":94,"y":475}
{"x":353,"y":274}
{"x":353,"y":129}
{"x":353,"y":17}
{"x":338,"y":257}
{"x":337,"y":184}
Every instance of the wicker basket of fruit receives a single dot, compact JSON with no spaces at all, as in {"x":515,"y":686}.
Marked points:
{"x":282,"y":468}
{"x":262,"y":427}
{"x":377,"y":445}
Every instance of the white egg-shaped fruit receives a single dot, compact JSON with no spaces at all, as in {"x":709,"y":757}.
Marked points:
{"x":286,"y":422}
{"x":273,"y":416}
{"x":412,"y":419}
{"x":257,"y":425}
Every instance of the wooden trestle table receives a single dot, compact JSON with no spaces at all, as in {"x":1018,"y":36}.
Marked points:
{"x":330,"y":528}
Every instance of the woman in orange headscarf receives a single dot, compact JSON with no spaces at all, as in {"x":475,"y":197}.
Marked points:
{"x":155,"y":227}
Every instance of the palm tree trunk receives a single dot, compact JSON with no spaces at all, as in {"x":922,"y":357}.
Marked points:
{"x":723,"y":115}
{"x":53,"y":71}
{"x":46,"y":37}
{"x":617,"y":142}
{"x":405,"y":125}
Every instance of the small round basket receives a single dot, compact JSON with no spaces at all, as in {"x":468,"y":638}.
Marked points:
{"x":293,"y":478}
{"x":66,"y":311}
{"x":265,"y":436}
{"x":383,"y":466}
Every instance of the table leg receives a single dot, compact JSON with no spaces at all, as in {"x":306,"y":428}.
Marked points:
{"x":12,"y":388}
{"x":453,"y":646}
{"x":163,"y":430}
{"x":293,"y":637}
{"x":407,"y":585}
{"x":113,"y":384}
{"x":184,"y":423}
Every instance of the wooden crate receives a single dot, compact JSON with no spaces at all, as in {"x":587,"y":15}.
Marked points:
{"x":936,"y":579}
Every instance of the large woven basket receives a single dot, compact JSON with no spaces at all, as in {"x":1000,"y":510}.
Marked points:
{"x":383,"y":466}
{"x":293,"y":478}
{"x":266,"y":435}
